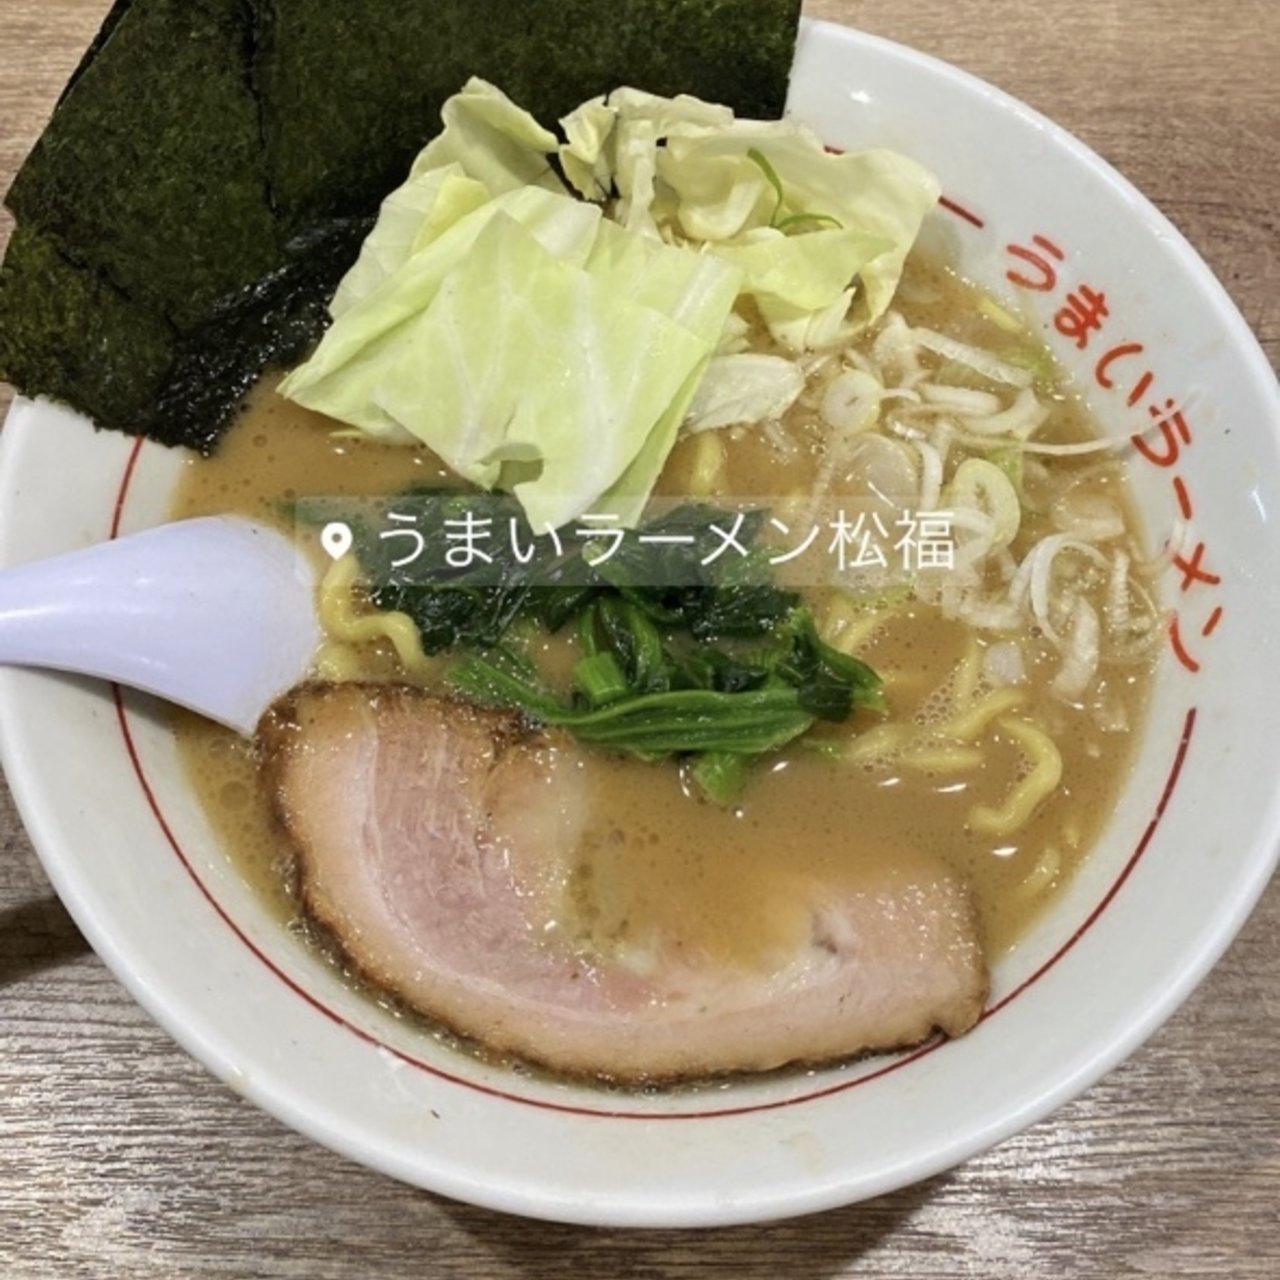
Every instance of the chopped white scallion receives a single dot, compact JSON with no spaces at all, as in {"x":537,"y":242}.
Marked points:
{"x":1005,"y":564}
{"x":1026,"y":415}
{"x":1080,"y":653}
{"x":975,"y":440}
{"x":1182,"y":538}
{"x":975,"y":358}
{"x":785,"y":444}
{"x":909,"y":394}
{"x":1090,"y":516}
{"x":990,"y":615}
{"x":895,"y":349}
{"x":962,"y":400}
{"x":1117,"y":606}
{"x":1035,"y":577}
{"x":1003,"y":664}
{"x":881,"y":470}
{"x":971,"y":550}
{"x":905,"y":431}
{"x":930,"y":476}
{"x":944,"y":434}
{"x":852,"y":358}
{"x":851,"y":402}
{"x":982,"y":486}
{"x":735,"y":337}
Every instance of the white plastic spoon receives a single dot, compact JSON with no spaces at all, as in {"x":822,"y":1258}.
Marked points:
{"x":215,"y":614}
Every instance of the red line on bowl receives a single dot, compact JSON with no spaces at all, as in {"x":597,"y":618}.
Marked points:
{"x":117,"y":514}
{"x":961,"y":212}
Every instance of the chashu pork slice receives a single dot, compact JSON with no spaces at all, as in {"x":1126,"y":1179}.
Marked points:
{"x":430,"y":834}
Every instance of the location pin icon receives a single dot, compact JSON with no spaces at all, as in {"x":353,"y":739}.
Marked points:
{"x":336,"y":538}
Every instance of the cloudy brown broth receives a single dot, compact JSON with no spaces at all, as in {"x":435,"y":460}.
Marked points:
{"x":733,"y":882}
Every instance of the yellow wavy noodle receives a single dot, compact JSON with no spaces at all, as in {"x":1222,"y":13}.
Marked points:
{"x":968,"y":673}
{"x":943,"y":758}
{"x":969,"y":724}
{"x":1038,"y":785}
{"x":347,"y":619}
{"x":836,"y":617}
{"x":848,"y":626}
{"x":707,"y":474}
{"x":337,"y":662}
{"x":945,"y":748}
{"x":1042,"y":875}
{"x":880,"y":743}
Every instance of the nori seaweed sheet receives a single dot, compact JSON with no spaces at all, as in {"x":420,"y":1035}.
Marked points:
{"x":158,"y":181}
{"x":275,"y":323}
{"x":213,"y":165}
{"x":117,"y":11}
{"x":96,"y":350}
{"x":130,"y":369}
{"x":341,"y":130}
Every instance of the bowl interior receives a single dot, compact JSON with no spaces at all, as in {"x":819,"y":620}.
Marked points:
{"x":1180,"y":863}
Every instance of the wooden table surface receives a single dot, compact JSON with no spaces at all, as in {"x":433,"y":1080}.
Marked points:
{"x":120,"y":1157}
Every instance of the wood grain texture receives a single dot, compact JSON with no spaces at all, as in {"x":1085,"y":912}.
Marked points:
{"x":119,"y":1157}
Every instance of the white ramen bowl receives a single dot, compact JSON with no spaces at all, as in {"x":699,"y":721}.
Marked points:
{"x":1180,"y":864}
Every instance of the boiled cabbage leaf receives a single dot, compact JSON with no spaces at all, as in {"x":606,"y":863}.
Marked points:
{"x":553,"y":343}
{"x":531,"y":344}
{"x":494,"y":140}
{"x":524,"y":358}
{"x":744,"y":388}
{"x":766,"y":194}
{"x":410,"y":218}
{"x":348,"y":371}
